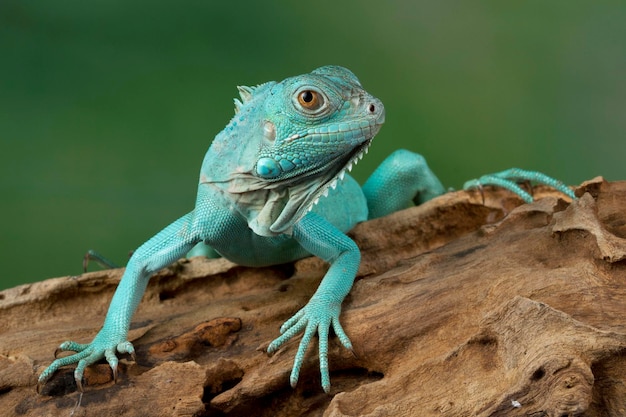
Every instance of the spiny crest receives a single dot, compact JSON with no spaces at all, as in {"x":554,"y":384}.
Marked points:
{"x":246,"y":94}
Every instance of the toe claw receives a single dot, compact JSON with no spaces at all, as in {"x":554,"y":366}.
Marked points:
{"x":79,"y":384}
{"x":353,"y":353}
{"x":293,"y":381}
{"x":326,"y":388}
{"x":481,"y":189}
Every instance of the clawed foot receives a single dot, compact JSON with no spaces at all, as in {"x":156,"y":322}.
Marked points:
{"x":510,"y":178}
{"x":86,"y":354}
{"x":315,"y":317}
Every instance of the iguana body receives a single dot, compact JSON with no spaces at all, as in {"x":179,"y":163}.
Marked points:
{"x":287,"y":146}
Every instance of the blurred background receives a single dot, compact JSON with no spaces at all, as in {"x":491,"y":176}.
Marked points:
{"x":107,"y":107}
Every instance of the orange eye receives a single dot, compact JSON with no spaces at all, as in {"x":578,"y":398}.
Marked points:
{"x":310,"y":99}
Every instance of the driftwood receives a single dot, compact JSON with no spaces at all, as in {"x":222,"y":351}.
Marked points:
{"x":457,"y":311}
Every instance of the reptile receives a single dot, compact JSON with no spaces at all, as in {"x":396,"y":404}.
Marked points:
{"x":274,"y":188}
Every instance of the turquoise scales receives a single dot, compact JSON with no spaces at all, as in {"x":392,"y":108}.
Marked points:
{"x":273,"y":188}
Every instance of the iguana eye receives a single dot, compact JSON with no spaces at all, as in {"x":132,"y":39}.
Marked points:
{"x":310,"y":100}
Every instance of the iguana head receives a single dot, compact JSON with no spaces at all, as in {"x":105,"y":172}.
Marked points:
{"x":289,"y":142}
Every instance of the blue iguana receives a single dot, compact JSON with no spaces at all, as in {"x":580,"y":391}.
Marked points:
{"x":273,"y":188}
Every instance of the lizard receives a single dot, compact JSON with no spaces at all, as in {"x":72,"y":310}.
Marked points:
{"x":273,"y":188}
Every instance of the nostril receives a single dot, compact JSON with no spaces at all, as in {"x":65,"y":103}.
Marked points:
{"x":372,"y":108}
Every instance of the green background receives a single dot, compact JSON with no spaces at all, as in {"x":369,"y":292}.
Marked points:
{"x":107,"y":107}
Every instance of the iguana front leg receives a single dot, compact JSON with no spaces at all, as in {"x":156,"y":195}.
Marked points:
{"x":322,"y":239}
{"x":164,"y":248}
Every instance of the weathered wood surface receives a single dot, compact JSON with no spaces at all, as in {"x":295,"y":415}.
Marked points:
{"x":456,"y":312}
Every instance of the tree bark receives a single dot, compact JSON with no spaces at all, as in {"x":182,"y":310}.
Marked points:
{"x":462,"y":307}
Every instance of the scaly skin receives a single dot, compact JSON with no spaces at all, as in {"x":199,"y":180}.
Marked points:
{"x":262,"y":200}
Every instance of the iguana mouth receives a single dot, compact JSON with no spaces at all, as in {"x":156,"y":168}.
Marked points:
{"x":355,"y":156}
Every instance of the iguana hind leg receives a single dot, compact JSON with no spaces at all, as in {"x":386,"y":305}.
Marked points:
{"x":510,"y":178}
{"x":402,"y":180}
